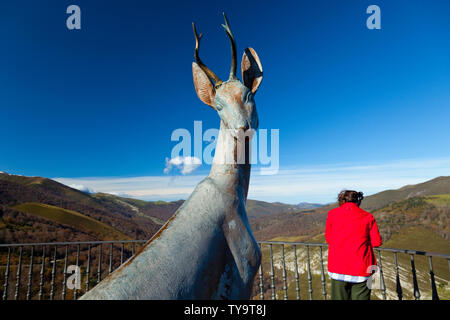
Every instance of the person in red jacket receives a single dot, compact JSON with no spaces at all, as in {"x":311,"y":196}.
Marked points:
{"x":351,"y":234}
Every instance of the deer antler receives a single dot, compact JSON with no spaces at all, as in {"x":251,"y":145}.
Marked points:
{"x":208,"y":71}
{"x":233,"y":48}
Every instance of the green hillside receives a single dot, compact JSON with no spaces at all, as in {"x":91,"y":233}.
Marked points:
{"x":257,"y":208}
{"x":122,"y":216}
{"x":418,"y":238}
{"x":109,"y":197}
{"x":73,"y":219}
{"x":439,"y":200}
{"x":437,"y":186}
{"x":430,"y":212}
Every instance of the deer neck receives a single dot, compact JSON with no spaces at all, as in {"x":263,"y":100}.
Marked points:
{"x":226,"y":170}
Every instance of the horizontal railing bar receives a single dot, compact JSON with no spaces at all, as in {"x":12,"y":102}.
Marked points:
{"x":69,"y":243}
{"x":312,"y":244}
{"x":407,"y":251}
{"x":294,"y":243}
{"x":420,"y":253}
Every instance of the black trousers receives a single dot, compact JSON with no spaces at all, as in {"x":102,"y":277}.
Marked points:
{"x":341,"y":290}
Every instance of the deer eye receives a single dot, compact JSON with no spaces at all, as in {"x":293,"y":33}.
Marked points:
{"x":218,"y":105}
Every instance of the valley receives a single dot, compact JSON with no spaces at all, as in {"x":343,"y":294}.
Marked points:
{"x":36,"y":209}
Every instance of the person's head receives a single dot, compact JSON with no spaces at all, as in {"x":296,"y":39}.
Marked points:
{"x":350,"y":196}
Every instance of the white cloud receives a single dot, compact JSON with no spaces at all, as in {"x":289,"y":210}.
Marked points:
{"x":319,"y":183}
{"x":146,"y":188}
{"x":81,"y":188}
{"x":186,"y":165}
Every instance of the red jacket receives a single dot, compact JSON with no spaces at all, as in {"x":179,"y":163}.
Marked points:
{"x":351,"y":234}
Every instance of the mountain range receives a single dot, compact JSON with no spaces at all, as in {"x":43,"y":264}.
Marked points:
{"x":34,"y":209}
{"x":425,"y":204}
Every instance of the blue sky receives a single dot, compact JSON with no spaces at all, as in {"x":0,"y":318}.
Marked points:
{"x":92,"y":106}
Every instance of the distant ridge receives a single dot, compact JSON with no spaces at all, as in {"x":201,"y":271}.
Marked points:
{"x":307,"y":205}
{"x":436,"y":186}
{"x":20,"y":225}
{"x":31,"y":206}
{"x":424,"y":204}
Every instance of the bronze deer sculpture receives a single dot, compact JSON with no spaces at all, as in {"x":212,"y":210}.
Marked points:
{"x":206,"y":250}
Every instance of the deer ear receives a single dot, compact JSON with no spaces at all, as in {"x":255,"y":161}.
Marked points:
{"x":251,"y":68}
{"x":203,"y":86}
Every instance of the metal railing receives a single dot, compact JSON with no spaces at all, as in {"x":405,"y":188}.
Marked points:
{"x":42,"y":270}
{"x":89,"y":259}
{"x":398,"y":271}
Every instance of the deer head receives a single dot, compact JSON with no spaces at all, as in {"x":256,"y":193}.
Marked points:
{"x":233,"y":100}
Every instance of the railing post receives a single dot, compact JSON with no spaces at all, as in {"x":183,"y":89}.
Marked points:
{"x":272,"y":274}
{"x":382,"y":284}
{"x":18,"y":274}
{"x":110,"y":258}
{"x":121,"y":254}
{"x":261,"y":282}
{"x":52,"y":285}
{"x":99,"y":268}
{"x":416,"y":286}
{"x":88,"y":268}
{"x":434,"y":292}
{"x":63,"y":294}
{"x":322,"y":275}
{"x":75,"y":289}
{"x":30,"y":274}
{"x":397,"y":278}
{"x":297,"y":278}
{"x":283,"y":260}
{"x":41,"y":282}
{"x":5,"y":285}
{"x":308,"y":264}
